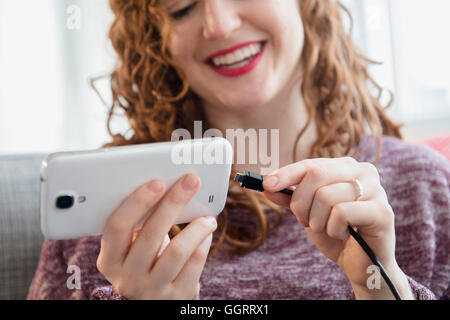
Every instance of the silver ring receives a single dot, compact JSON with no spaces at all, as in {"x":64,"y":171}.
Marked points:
{"x":359,"y":188}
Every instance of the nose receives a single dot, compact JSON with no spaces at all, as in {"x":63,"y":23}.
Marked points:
{"x":221,"y":19}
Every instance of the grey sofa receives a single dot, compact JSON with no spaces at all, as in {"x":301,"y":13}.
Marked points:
{"x":20,"y":234}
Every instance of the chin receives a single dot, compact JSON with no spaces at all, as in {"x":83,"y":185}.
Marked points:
{"x":248,"y":100}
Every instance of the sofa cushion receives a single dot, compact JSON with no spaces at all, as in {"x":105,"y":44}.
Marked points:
{"x":20,"y":232}
{"x":441,"y":144}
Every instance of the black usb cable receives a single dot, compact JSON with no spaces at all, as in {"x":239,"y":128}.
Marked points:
{"x":254,"y":181}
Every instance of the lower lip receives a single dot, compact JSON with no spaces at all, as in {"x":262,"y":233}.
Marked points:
{"x":232,"y":73}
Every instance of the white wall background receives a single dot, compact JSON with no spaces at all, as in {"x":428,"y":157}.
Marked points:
{"x":30,"y":77}
{"x":410,"y":37}
{"x":47,"y":105}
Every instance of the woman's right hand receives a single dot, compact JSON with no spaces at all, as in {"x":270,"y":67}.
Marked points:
{"x":149,"y":266}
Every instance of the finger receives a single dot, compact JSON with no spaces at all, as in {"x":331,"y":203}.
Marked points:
{"x":144,"y":249}
{"x":290,"y":175}
{"x":181,"y":248}
{"x":369,"y":217}
{"x":163,"y":246}
{"x":324,"y":200}
{"x":191,"y":272}
{"x":340,"y":171}
{"x":118,"y":232}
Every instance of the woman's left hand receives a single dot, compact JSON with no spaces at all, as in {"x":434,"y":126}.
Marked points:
{"x":325,"y":202}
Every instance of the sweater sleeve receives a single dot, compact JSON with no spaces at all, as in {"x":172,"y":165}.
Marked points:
{"x":54,"y":278}
{"x":50,"y":279}
{"x":423,"y":227}
{"x":419,"y":291}
{"x":110,"y":293}
{"x":418,"y":186}
{"x":106,"y":293}
{"x":417,"y":181}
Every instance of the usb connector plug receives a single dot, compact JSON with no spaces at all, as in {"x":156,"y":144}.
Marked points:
{"x":254,"y":181}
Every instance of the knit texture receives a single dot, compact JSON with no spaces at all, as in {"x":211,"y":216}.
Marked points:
{"x":288,"y":265}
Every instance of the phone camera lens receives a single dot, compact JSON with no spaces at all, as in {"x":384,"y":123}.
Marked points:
{"x":64,"y":202}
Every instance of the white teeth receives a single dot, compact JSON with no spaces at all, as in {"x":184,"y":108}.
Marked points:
{"x":238,"y":65}
{"x":238,"y":56}
{"x":248,"y":52}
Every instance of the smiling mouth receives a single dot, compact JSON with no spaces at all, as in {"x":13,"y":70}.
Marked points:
{"x":238,"y":58}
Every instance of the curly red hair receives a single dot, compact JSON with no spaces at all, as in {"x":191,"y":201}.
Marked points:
{"x":341,"y":97}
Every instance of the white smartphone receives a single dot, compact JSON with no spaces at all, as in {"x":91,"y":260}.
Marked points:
{"x":81,"y":189}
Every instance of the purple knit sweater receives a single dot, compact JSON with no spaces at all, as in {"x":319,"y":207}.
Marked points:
{"x":288,"y":265}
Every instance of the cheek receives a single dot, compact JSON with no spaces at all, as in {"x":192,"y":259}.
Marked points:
{"x":290,"y":37}
{"x":281,"y":21}
{"x":290,"y":24}
{"x":182,"y":49}
{"x":183,"y":52}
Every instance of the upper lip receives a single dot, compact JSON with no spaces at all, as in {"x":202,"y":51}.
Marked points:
{"x":229,"y":50}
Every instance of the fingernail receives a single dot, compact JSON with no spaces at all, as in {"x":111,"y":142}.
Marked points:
{"x":212,"y":221}
{"x":155,"y":186}
{"x":271,"y":181}
{"x":189,"y":182}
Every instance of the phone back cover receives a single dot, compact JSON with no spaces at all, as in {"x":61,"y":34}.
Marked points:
{"x":105,"y":177}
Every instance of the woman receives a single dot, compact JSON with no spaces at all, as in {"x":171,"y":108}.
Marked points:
{"x":262,"y":64}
